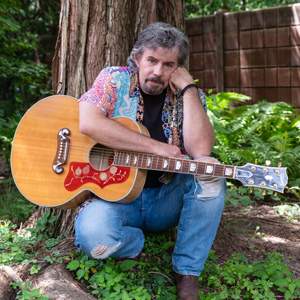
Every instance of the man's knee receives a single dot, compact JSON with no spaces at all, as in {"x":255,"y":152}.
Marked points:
{"x":211,"y":186}
{"x":103,"y":251}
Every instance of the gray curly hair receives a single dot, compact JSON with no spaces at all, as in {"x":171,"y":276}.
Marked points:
{"x":159,"y":35}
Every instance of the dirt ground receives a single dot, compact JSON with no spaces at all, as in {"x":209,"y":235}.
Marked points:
{"x":250,"y":230}
{"x":258,"y":228}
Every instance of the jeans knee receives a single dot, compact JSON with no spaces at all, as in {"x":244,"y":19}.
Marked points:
{"x":211,"y":187}
{"x":103,"y":251}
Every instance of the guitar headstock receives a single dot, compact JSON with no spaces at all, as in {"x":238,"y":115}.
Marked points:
{"x":265,"y":177}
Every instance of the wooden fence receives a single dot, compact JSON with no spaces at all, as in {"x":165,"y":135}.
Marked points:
{"x":255,"y":53}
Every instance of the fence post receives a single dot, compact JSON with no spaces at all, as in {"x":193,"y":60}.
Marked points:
{"x":219,"y":25}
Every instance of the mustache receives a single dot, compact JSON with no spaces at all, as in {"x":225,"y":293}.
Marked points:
{"x":155,"y":79}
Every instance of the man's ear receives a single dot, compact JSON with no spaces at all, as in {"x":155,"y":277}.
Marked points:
{"x":137,"y":59}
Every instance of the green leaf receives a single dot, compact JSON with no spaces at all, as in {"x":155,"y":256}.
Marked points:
{"x":127,"y":265}
{"x":245,"y":200}
{"x":100,"y":278}
{"x":281,"y":282}
{"x":233,"y":201}
{"x":73,"y":265}
{"x":224,"y":156}
{"x":118,"y":278}
{"x":35,"y":269}
{"x":52,"y":219}
{"x":80,"y":273}
{"x":167,"y":245}
{"x":297,"y":282}
{"x":108,"y":269}
{"x":261,"y":274}
{"x":292,"y":287}
{"x":90,"y":263}
{"x":287,"y":295}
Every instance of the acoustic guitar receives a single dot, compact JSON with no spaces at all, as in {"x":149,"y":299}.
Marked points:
{"x":54,"y":165}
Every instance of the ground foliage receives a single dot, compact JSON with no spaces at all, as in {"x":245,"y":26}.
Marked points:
{"x":262,"y":131}
{"x":150,"y":277}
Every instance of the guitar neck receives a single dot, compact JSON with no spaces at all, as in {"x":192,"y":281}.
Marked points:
{"x":174,"y":165}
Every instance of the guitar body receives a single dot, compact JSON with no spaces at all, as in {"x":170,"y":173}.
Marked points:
{"x":51,"y":159}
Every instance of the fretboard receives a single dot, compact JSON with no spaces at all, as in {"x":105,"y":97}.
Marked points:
{"x":174,"y":165}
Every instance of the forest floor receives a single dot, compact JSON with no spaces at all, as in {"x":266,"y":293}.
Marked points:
{"x":255,"y":229}
{"x":250,"y":230}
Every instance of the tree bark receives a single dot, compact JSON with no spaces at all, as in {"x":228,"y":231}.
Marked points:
{"x":94,"y":34}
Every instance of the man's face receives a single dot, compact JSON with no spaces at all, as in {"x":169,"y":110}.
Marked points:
{"x":155,"y":69}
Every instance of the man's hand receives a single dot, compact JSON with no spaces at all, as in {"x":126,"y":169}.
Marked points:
{"x":167,"y":150}
{"x":179,"y":79}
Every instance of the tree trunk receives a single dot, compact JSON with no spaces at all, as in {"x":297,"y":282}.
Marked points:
{"x":97,"y":33}
{"x":94,"y":34}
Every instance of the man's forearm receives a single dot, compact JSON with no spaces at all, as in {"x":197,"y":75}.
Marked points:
{"x":198,"y":132}
{"x":114,"y":135}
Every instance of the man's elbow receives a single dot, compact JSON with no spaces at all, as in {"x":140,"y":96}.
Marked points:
{"x":84,"y":128}
{"x":202,"y":148}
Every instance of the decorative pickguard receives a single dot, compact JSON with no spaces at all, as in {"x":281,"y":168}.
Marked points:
{"x":82,"y":173}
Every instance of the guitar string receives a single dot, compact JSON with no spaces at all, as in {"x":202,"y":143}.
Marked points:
{"x":158,"y":161}
{"x":173,"y":161}
{"x":101,"y":150}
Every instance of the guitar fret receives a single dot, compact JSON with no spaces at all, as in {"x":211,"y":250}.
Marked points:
{"x":149,"y":162}
{"x":158,"y":163}
{"x":185,"y":166}
{"x":143,"y":165}
{"x":192,"y":167}
{"x":229,"y":172}
{"x":219,"y":170}
{"x":209,"y":169}
{"x":178,"y":165}
{"x":140,"y":160}
{"x":201,"y":168}
{"x":118,"y":158}
{"x":127,"y":159}
{"x":172,"y":164}
{"x":165,"y":164}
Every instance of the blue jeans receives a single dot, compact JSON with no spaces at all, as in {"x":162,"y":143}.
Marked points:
{"x":105,"y":229}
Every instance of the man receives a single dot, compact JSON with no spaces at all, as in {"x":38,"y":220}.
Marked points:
{"x":157,"y":91}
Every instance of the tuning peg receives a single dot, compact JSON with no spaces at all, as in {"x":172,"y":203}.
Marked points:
{"x":268,"y":162}
{"x":279,"y":164}
{"x":264,"y":192}
{"x":256,"y":161}
{"x":275,"y":194}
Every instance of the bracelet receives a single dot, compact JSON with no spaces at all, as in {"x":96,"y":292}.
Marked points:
{"x":187,"y":87}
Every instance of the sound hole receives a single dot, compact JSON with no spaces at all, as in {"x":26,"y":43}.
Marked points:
{"x":101,"y":157}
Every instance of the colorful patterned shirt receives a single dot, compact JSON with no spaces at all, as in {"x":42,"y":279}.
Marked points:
{"x":116,"y":91}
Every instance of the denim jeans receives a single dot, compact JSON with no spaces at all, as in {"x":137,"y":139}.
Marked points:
{"x":105,"y":229}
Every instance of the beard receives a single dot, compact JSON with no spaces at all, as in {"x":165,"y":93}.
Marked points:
{"x":153,"y":89}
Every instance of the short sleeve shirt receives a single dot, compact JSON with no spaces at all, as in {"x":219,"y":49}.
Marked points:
{"x":116,"y":92}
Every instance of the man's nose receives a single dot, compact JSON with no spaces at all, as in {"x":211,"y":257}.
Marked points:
{"x":158,"y":70}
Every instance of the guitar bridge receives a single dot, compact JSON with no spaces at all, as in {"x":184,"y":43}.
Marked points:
{"x":62,"y":150}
